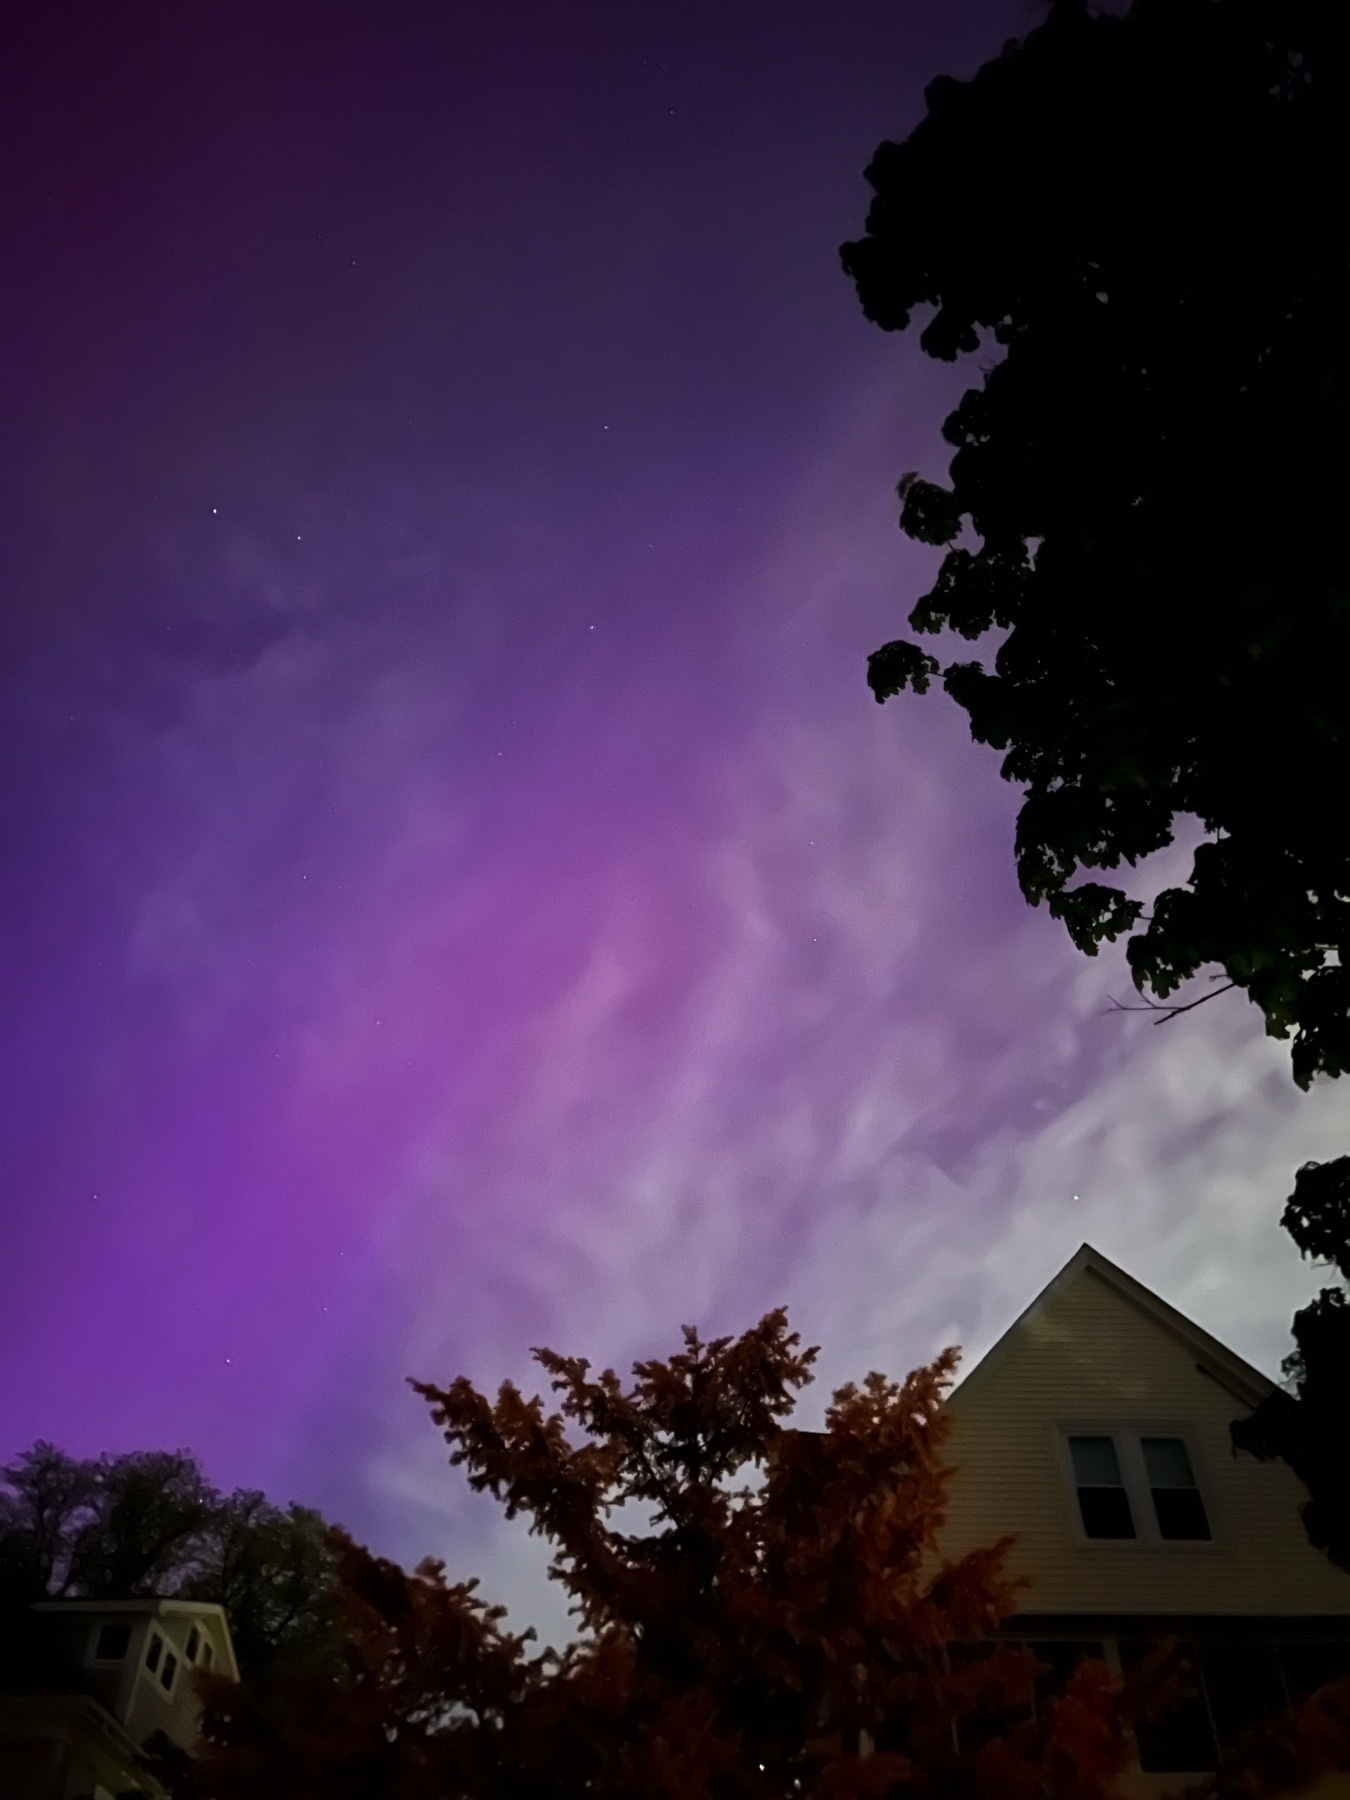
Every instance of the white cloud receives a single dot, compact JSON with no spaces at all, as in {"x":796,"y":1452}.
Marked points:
{"x":883,"y":1083}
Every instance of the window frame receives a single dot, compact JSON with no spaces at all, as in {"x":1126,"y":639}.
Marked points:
{"x":96,"y":1661}
{"x":1127,"y":1438}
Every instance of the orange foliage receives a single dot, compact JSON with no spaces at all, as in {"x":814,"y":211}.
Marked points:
{"x":793,"y":1638}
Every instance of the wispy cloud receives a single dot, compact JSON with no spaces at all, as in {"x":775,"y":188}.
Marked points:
{"x":877,"y":1087}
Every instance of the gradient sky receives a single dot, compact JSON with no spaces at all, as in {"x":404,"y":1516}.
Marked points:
{"x":458,"y":893}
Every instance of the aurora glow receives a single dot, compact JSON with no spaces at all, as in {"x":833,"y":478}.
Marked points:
{"x":458,"y":891}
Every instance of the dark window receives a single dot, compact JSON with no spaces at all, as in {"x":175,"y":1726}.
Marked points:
{"x":1310,"y":1666}
{"x":1242,"y":1684}
{"x":1171,"y":1481}
{"x":997,"y":1682}
{"x":154,"y":1652}
{"x":1177,"y":1738}
{"x":113,"y":1642}
{"x":1059,"y":1657}
{"x":168,"y":1672}
{"x":193,"y":1644}
{"x":1103,"y":1504}
{"x":208,"y":1656}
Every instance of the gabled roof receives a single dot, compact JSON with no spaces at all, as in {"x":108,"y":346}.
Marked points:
{"x":141,"y":1603}
{"x":1211,"y":1357}
{"x":151,"y":1606}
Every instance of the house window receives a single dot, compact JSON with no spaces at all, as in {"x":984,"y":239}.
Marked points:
{"x":112,"y":1643}
{"x":1242,"y":1684}
{"x":1103,"y":1502}
{"x":1180,"y":1739}
{"x":1133,"y":1486}
{"x":1219,"y":1689}
{"x":154,"y":1652}
{"x":193,"y":1644}
{"x":168,"y":1672}
{"x":1059,"y":1658}
{"x":208,"y":1655}
{"x":1177,"y":1504}
{"x":1309,"y":1666}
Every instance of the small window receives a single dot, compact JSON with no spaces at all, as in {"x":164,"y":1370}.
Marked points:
{"x":112,"y":1643}
{"x":1242,"y":1685}
{"x":1059,"y":1659}
{"x":154,"y":1652}
{"x":1103,"y":1503}
{"x":1309,"y":1666}
{"x":168,"y":1672}
{"x":1177,"y":1504}
{"x":193,"y":1644}
{"x":1180,"y":1740}
{"x":208,"y":1655}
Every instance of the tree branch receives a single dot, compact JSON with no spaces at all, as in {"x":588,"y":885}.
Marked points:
{"x":1170,"y":1012}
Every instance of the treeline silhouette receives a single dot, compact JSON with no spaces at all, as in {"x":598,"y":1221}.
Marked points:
{"x":149,"y":1522}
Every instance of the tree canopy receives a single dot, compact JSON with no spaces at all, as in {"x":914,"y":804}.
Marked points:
{"x":761,"y":1612}
{"x":1307,"y":1427}
{"x":764,"y":1614}
{"x":149,"y":1522}
{"x":1125,"y":213}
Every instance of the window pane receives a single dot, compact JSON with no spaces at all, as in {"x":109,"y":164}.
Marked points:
{"x":193,"y":1643}
{"x":113,"y":1642}
{"x":1310,"y":1666}
{"x":152,"y":1655}
{"x":1243,"y":1685}
{"x":1094,"y":1462}
{"x":1105,"y":1512}
{"x":169,"y":1671}
{"x":1181,"y":1513}
{"x":1059,"y":1657}
{"x":1167,"y":1463}
{"x":1181,"y":1741}
{"x":207,"y":1656}
{"x":998,"y":1680}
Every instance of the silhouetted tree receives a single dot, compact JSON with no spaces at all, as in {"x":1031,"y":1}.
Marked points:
{"x":46,"y":1499}
{"x":796,"y":1634}
{"x":149,"y":1522}
{"x":274,"y":1571}
{"x":795,"y":1637}
{"x":1145,"y":497}
{"x":1309,"y":1428}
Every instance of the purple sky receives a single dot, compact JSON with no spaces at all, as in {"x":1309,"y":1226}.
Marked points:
{"x":458,"y":892}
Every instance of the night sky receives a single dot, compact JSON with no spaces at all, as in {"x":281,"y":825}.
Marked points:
{"x":457,"y":891}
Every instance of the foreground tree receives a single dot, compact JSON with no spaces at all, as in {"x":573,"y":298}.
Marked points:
{"x":795,"y":1635}
{"x":1147,"y":483}
{"x":149,"y":1522}
{"x":1309,"y":1428}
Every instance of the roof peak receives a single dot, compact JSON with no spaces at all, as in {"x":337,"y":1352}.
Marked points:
{"x":1213,"y":1357}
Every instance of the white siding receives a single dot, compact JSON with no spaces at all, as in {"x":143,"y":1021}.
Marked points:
{"x":150,"y":1709}
{"x":1086,"y":1355}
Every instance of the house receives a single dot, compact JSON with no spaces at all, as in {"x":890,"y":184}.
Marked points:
{"x":1095,"y":1433}
{"x":91,"y":1682}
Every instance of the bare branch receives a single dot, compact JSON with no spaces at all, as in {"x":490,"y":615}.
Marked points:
{"x":1170,"y":1012}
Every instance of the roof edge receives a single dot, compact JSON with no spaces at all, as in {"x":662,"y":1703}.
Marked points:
{"x":149,"y":1604}
{"x":1214,"y":1358}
